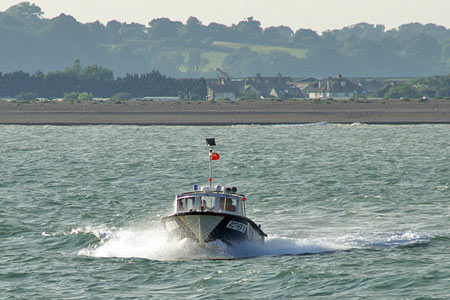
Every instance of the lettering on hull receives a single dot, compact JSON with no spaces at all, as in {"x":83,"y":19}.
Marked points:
{"x":238,"y":226}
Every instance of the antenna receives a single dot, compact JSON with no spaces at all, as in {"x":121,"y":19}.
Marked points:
{"x":212,"y":156}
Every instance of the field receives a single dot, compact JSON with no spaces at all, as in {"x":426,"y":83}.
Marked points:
{"x":216,"y":58}
{"x":299,"y":53}
{"x":216,"y":54}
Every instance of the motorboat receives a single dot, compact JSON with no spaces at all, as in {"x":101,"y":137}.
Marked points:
{"x":212,"y":213}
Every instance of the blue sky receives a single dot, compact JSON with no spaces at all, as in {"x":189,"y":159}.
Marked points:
{"x":318,"y":15}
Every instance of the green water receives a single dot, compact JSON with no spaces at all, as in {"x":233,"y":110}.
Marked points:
{"x":352,"y":212}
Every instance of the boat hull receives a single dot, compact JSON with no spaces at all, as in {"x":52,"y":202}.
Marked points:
{"x":206,"y":227}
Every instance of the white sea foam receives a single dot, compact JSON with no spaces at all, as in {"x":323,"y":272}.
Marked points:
{"x":154,"y":244}
{"x":280,"y":246}
{"x":146,"y":243}
{"x":101,"y":232}
{"x":385,"y":240}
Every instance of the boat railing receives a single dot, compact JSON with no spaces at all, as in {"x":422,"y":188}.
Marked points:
{"x":209,"y":202}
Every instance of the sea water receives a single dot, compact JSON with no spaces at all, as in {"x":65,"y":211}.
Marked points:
{"x":351,"y":212}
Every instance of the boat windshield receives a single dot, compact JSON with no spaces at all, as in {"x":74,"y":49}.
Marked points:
{"x":210,"y":202}
{"x":185,"y":204}
{"x":207,"y":202}
{"x":226,"y":204}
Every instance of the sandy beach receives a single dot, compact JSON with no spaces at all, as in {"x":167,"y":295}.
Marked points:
{"x":373,"y":111}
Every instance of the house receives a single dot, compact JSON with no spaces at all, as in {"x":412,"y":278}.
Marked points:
{"x":303,"y":83}
{"x":278,"y":87}
{"x":269,"y":80}
{"x":369,"y":85}
{"x":224,"y":89}
{"x":338,"y":88}
{"x":217,"y":91}
{"x":280,"y":90}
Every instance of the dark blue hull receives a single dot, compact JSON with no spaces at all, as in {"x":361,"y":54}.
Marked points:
{"x":205,"y":227}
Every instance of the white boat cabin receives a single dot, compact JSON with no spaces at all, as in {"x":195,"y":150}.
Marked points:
{"x":211,"y":199}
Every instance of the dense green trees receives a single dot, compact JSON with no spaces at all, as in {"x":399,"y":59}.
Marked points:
{"x":164,"y":28}
{"x":30,"y":42}
{"x":78,"y":83}
{"x":194,"y":30}
{"x":422,"y":87}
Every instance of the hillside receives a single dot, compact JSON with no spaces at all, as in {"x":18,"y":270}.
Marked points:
{"x":33,"y":43}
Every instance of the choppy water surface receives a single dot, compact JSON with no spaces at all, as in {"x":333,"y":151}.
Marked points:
{"x":355,"y":211}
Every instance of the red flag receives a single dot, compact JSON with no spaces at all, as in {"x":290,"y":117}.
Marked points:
{"x":215,"y":156}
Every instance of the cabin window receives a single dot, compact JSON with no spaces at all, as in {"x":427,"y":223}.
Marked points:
{"x":207,"y":202}
{"x":217,"y":203}
{"x":229,"y":206}
{"x":186,"y":204}
{"x":190,"y":203}
{"x":221,"y":203}
{"x":181,"y":206}
{"x":240,"y":207}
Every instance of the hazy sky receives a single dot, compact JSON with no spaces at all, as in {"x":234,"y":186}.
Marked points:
{"x":319,"y":15}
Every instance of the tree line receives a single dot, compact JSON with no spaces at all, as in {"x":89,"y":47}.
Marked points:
{"x":97,"y":81}
{"x":31,"y":42}
{"x":84,"y":83}
{"x":437,"y":87}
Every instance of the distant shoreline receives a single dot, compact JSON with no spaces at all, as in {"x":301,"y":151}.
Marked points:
{"x":198,"y":113}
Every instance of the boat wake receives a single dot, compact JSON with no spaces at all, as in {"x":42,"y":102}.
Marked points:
{"x":153,"y":244}
{"x":281,"y":246}
{"x":386,"y":240}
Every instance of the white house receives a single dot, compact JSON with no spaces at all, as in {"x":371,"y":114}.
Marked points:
{"x":336,"y":88}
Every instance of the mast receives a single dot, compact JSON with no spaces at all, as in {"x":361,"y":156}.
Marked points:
{"x":210,"y":164}
{"x":212,"y":156}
